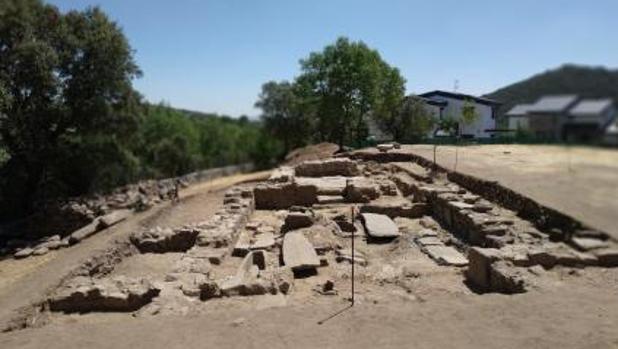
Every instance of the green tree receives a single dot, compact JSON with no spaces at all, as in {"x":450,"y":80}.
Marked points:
{"x":61,"y":77}
{"x":413,"y":121}
{"x":469,"y":115}
{"x":284,"y":114}
{"x":346,"y":82}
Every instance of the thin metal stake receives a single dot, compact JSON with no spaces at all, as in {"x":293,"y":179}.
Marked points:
{"x":353,"y":260}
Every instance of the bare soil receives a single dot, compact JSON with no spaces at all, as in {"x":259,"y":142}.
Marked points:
{"x":579,"y":181}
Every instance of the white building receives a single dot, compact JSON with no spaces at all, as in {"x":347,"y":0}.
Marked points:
{"x":450,"y":105}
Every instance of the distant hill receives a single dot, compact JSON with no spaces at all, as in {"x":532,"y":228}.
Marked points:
{"x":592,"y":82}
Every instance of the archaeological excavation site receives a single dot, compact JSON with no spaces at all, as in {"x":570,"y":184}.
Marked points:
{"x":386,"y":225}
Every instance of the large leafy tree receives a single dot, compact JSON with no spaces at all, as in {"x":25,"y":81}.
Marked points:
{"x":412,"y":122}
{"x":285,"y":114}
{"x":348,"y":82}
{"x":62,"y":77}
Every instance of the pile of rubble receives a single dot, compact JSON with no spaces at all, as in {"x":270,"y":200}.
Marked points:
{"x":23,"y":249}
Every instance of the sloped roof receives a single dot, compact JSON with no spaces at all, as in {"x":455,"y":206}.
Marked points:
{"x":519,"y":110}
{"x":460,"y":96}
{"x":591,"y":106}
{"x":553,"y":104}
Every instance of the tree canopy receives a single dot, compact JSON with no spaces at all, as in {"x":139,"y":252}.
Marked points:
{"x":337,"y":90}
{"x":71,"y":122}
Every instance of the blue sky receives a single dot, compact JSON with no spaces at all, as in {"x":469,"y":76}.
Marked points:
{"x":214,"y":55}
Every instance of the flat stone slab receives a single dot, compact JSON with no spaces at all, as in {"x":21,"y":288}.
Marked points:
{"x":298,"y":253}
{"x":84,"y":232}
{"x":446,"y":255}
{"x":334,"y":185}
{"x":380,"y":226}
{"x":264,"y":241}
{"x":429,"y":241}
{"x":114,"y":217}
{"x":330,"y":199}
{"x":587,"y":244}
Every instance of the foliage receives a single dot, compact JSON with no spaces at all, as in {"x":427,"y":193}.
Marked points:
{"x":448,"y":126}
{"x":413,"y":121}
{"x":284,"y":114}
{"x":468,"y":112}
{"x":71,"y":123}
{"x":344,"y":83}
{"x":62,"y":76}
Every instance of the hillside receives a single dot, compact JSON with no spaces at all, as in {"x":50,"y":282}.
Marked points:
{"x":593,"y":82}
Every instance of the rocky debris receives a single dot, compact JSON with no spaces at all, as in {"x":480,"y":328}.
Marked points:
{"x":246,"y":281}
{"x":329,"y":167}
{"x":324,"y":185}
{"x":507,"y":279}
{"x":113,"y":218}
{"x":298,"y":253}
{"x":379,"y":226}
{"x":446,"y":255}
{"x":84,"y":232}
{"x":282,"y":174}
{"x":118,"y":294}
{"x":243,"y":244}
{"x":383,"y":148}
{"x":297,"y":220}
{"x":192,"y":264}
{"x":396,"y":207}
{"x":40,"y":251}
{"x":429,"y":241}
{"x":161,"y":240}
{"x":23,"y":253}
{"x":273,"y":196}
{"x":388,"y":188}
{"x":214,"y":237}
{"x":326,"y":289}
{"x":330,"y":199}
{"x":607,"y":257}
{"x":213,"y":256}
{"x":405,"y":183}
{"x":264,"y":241}
{"x":360,"y":189}
{"x":345,"y":255}
{"x":588,"y":243}
{"x":414,"y":170}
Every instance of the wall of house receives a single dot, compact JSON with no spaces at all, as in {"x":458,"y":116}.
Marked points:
{"x":485,"y":120}
{"x":519,"y":123}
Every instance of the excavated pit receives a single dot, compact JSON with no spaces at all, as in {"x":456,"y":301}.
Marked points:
{"x":289,"y":239}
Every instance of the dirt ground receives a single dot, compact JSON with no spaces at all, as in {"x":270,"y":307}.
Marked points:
{"x":432,"y":308}
{"x":579,"y":181}
{"x":573,"y":312}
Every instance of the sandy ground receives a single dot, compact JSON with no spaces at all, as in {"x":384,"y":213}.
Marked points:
{"x":573,"y":312}
{"x":579,"y":181}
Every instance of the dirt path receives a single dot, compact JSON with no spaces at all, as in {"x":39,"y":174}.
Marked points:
{"x":23,"y":282}
{"x":579,"y":181}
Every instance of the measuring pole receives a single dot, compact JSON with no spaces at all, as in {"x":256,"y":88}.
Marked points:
{"x":353,"y":260}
